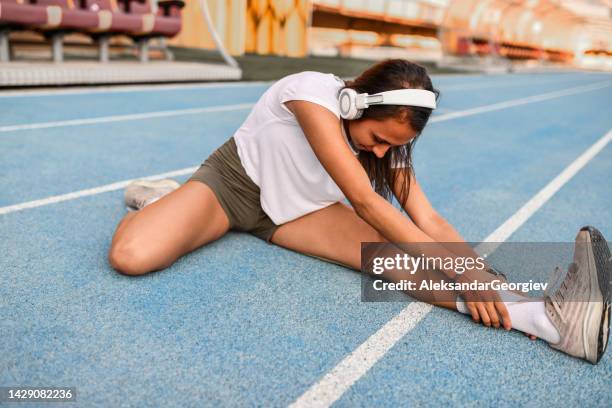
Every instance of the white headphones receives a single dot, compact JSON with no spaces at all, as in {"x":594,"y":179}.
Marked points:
{"x":353,"y":104}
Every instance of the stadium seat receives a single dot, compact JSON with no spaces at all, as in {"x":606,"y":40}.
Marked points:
{"x":164,"y":22}
{"x":20,"y":15}
{"x":100,"y":19}
{"x":71,"y":19}
{"x":113,"y":21}
{"x":168,"y":18}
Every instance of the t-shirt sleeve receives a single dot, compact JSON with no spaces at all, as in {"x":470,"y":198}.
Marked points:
{"x":321,"y":89}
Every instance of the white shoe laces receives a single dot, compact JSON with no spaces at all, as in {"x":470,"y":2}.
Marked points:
{"x":558,"y":298}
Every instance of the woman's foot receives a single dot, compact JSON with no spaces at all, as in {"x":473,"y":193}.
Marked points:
{"x":140,"y":193}
{"x":580,"y":307}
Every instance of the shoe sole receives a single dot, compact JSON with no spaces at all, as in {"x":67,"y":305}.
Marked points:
{"x":603,"y":264}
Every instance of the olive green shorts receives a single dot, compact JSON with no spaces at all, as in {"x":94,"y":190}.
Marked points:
{"x":238,"y":195}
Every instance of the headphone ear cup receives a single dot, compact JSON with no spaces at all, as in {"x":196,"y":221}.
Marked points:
{"x":348,"y":104}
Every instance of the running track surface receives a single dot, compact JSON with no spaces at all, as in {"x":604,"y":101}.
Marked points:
{"x":241,"y":322}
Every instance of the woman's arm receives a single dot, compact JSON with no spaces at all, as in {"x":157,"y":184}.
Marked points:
{"x":322,"y":129}
{"x":428,"y":219}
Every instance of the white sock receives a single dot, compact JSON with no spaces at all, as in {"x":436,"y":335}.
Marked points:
{"x":528,"y":317}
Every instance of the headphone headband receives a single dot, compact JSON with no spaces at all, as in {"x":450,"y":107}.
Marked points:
{"x":407,"y":97}
{"x":352,"y":104}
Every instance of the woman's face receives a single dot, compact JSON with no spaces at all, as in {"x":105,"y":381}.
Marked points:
{"x":378,"y":136}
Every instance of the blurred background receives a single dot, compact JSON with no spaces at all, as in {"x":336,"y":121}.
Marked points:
{"x":266,"y":39}
{"x":519,"y":157}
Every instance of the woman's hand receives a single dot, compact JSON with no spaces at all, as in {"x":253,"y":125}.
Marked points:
{"x":484,"y":306}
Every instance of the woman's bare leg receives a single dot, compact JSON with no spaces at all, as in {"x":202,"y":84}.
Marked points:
{"x":157,"y":235}
{"x":335,"y":233}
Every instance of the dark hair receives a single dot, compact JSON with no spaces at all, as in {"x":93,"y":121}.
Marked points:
{"x":386,"y":76}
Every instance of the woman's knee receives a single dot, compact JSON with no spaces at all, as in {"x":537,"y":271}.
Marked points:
{"x":132,"y":259}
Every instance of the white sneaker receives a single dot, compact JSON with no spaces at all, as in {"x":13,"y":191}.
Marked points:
{"x":140,"y":193}
{"x":580,"y":307}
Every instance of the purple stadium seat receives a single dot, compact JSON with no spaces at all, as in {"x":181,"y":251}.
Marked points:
{"x":99,"y":19}
{"x":112,"y":19}
{"x":141,"y":25}
{"x":168,"y":19}
{"x":72,"y":18}
{"x":19,"y":15}
{"x":166,"y":22}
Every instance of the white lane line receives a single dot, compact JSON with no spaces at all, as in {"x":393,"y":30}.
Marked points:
{"x":355,"y":365}
{"x":123,"y":118}
{"x":521,"y":101}
{"x":98,"y":190}
{"x":500,"y":84}
{"x":90,"y":191}
{"x":127,"y":88}
{"x":81,"y":90}
{"x":84,"y":90}
{"x":193,"y":111}
{"x":504,"y":231}
{"x":352,"y":367}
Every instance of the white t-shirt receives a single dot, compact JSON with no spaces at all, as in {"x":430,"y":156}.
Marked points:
{"x":276,"y":154}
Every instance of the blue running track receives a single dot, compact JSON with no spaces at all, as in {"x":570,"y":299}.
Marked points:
{"x":243,"y":323}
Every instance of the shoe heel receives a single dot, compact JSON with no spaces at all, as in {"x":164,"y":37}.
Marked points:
{"x":604,"y":333}
{"x":603,"y":260}
{"x":603,"y":263}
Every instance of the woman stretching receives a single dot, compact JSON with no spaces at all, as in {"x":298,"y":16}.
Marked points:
{"x":312,"y":141}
